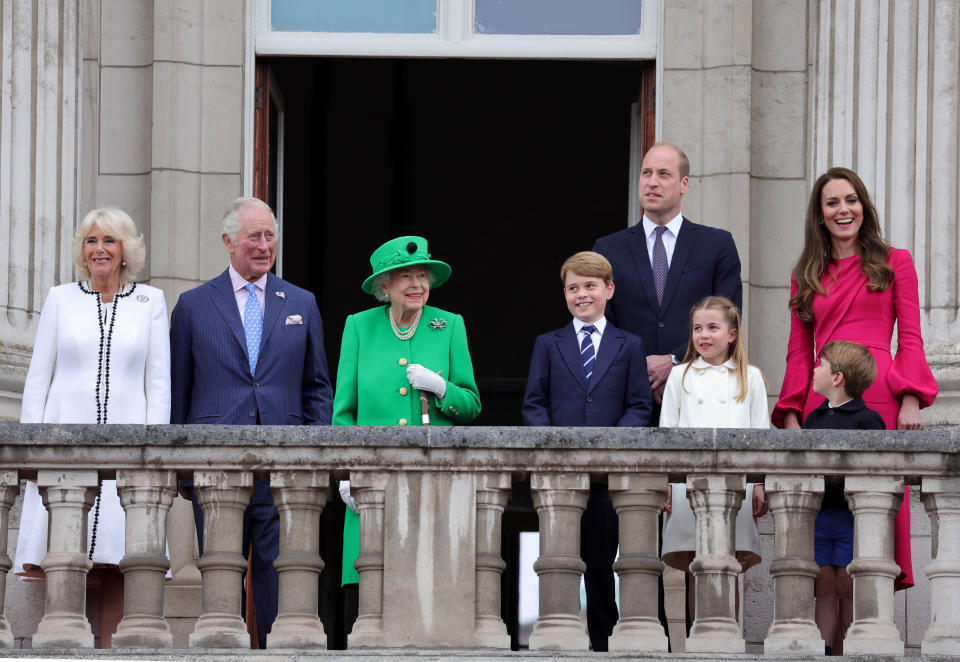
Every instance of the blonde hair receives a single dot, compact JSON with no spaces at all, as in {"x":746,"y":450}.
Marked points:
{"x":854,"y":361}
{"x":589,"y":264}
{"x":118,"y":224}
{"x":737,"y":351}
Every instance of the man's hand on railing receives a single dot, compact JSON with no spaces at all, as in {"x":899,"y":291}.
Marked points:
{"x":759,"y":501}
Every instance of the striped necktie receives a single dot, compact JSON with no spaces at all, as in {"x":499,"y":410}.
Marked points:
{"x":587,"y":353}
{"x":252,"y":326}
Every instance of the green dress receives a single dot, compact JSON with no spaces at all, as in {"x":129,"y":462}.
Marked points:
{"x":373,"y":389}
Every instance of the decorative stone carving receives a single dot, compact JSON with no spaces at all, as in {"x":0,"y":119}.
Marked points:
{"x":68,"y":496}
{"x":794,"y":502}
{"x":223,"y":496}
{"x":493,"y":490}
{"x":941,"y":497}
{"x":638,"y":500}
{"x":9,"y":488}
{"x":560,"y":500}
{"x":715,"y":500}
{"x":874,"y":501}
{"x":368,"y":489}
{"x":146,"y":497}
{"x":300,"y":497}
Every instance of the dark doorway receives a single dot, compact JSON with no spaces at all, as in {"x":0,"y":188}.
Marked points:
{"x":507,"y":167}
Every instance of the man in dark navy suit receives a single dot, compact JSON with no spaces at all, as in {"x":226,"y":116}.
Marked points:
{"x":246,"y":348}
{"x":661,"y":273}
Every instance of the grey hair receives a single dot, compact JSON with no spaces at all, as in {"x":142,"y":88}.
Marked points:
{"x":384,"y":279}
{"x":231,"y":215}
{"x":118,"y":224}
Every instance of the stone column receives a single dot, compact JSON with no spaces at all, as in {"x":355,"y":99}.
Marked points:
{"x":560,"y":500}
{"x":941,"y":496}
{"x":638,"y":500}
{"x":493,"y":490}
{"x":146,"y":497}
{"x":874,"y":501}
{"x":715,"y":500}
{"x":794,"y":502}
{"x":68,"y":496}
{"x":223,"y":496}
{"x":300,"y":497}
{"x":9,"y":488}
{"x":368,"y":489}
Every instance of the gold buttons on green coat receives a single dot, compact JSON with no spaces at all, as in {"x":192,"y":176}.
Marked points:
{"x":402,"y":362}
{"x":403,"y":390}
{"x":403,"y":421}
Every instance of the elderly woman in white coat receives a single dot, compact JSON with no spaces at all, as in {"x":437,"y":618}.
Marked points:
{"x":101,"y":355}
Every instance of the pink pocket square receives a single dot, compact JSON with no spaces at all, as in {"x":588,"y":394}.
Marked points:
{"x":294,"y":319}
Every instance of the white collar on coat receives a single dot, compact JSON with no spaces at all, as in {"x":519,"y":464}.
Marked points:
{"x":702,"y":365}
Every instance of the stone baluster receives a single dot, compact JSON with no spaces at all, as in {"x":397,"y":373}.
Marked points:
{"x":874,"y":501}
{"x":493,"y":490}
{"x":9,"y":488}
{"x":223,"y":496}
{"x":638,"y":500}
{"x":68,"y":496}
{"x":715,"y":500}
{"x":300,"y":497}
{"x":794,"y":502}
{"x":146,"y":497}
{"x":560,"y":500}
{"x":369,"y":490}
{"x":941,"y":497}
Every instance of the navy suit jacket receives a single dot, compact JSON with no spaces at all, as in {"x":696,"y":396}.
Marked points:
{"x":210,"y":374}
{"x":557,"y":391}
{"x":705,"y":262}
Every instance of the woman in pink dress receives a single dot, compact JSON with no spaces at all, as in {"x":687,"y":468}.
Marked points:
{"x":849,"y":284}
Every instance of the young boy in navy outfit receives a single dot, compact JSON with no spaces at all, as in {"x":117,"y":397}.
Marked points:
{"x":845,"y":371}
{"x":589,"y":373}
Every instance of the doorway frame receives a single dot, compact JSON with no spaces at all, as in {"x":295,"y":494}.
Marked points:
{"x":454,"y":39}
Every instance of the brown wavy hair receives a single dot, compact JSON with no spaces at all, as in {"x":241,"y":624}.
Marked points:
{"x":817,"y":252}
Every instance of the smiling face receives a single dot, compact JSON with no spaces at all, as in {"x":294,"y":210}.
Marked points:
{"x":255,"y":249}
{"x":103,"y":255}
{"x":842,"y":212}
{"x":586,"y":296}
{"x":712,"y":335}
{"x":661,"y":185}
{"x":408,"y":289}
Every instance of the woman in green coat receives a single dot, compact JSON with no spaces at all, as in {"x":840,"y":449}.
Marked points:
{"x":394,"y":354}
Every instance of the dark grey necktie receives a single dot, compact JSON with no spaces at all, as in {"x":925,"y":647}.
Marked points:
{"x":659,"y":262}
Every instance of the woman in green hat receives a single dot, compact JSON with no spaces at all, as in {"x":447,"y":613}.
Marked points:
{"x":394,"y":354}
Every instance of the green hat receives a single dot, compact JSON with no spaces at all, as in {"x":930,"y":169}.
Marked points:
{"x":405,"y":252}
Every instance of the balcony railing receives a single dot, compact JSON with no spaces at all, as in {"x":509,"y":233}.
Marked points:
{"x":431,"y":501}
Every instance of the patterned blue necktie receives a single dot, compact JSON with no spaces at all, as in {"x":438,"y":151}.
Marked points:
{"x":252,"y":326}
{"x":587,"y":353}
{"x":659,"y":262}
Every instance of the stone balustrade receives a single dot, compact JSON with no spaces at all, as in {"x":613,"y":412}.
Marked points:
{"x":431,"y":502}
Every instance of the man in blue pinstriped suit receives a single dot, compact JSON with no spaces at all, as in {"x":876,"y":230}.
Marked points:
{"x":283,"y":380}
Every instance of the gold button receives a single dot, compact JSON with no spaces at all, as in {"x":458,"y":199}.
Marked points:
{"x":402,"y":362}
{"x":403,"y":390}
{"x":403,"y":421}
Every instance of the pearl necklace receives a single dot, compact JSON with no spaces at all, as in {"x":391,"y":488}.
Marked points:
{"x":408,"y":334}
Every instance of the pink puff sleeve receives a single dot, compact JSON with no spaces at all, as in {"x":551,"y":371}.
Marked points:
{"x":800,"y":358}
{"x":910,"y":374}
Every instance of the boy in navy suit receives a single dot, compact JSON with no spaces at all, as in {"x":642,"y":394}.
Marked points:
{"x":845,"y":371}
{"x":590,"y":373}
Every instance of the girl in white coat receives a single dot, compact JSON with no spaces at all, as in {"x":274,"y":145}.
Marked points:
{"x":713,"y":387}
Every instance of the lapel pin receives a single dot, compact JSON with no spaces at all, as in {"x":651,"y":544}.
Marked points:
{"x":143,"y":298}
{"x":280,"y":294}
{"x":438,"y":323}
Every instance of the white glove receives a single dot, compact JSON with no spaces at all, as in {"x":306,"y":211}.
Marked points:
{"x":345,"y":495}
{"x":426,"y":380}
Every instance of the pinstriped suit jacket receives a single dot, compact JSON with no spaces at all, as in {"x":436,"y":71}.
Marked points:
{"x":210,"y":375}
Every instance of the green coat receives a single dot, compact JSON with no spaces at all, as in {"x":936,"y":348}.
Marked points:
{"x":373,"y":389}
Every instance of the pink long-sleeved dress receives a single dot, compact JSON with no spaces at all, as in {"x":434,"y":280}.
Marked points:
{"x":848,"y":311}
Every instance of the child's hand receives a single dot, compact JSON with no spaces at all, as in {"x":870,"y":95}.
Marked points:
{"x":667,"y":505}
{"x":759,"y":501}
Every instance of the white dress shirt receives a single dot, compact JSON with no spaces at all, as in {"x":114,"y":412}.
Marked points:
{"x":596,"y":336}
{"x":669,"y":237}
